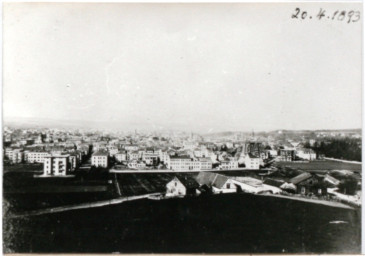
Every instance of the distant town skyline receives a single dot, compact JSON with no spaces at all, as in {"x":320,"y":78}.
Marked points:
{"x":194,"y":67}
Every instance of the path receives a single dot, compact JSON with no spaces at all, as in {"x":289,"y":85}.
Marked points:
{"x":82,"y":205}
{"x":309,"y":200}
{"x":341,"y":160}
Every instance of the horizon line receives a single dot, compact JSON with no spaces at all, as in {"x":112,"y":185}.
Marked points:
{"x":79,"y":122}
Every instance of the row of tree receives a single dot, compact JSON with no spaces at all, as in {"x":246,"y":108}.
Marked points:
{"x":346,"y":148}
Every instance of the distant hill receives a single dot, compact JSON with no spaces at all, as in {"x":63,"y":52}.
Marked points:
{"x":230,"y":133}
{"x":25,"y":122}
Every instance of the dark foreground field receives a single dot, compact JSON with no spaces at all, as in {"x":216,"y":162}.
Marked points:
{"x":235,"y":223}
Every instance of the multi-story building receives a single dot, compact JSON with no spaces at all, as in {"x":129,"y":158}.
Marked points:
{"x":100,"y":145}
{"x":185,"y":163}
{"x":306,"y":153}
{"x":35,"y":156}
{"x":56,"y":165}
{"x":149,"y":156}
{"x":286,"y":155}
{"x":133,"y":155}
{"x":179,"y":163}
{"x":228,"y":164}
{"x":201,"y":152}
{"x":252,"y":162}
{"x":121,"y":156}
{"x":164,"y":156}
{"x":100,"y":159}
{"x":14,"y":155}
{"x":112,"y":150}
{"x":205,"y":163}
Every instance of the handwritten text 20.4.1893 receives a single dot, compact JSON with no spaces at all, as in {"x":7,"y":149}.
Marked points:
{"x":348,"y":16}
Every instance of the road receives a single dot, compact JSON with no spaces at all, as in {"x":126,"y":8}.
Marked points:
{"x":83,"y":205}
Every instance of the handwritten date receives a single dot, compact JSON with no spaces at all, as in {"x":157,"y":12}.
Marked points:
{"x":340,"y":15}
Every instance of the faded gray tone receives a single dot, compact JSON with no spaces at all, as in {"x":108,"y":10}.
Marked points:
{"x":202,"y":67}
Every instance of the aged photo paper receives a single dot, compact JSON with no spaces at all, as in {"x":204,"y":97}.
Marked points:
{"x":182,"y":128}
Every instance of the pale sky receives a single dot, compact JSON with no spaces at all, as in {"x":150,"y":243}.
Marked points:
{"x":199,"y":67}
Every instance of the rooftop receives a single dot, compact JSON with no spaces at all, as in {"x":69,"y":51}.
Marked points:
{"x":100,"y":153}
{"x":300,"y":178}
{"x":180,"y":157}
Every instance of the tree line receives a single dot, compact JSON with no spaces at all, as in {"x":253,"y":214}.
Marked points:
{"x":346,"y":148}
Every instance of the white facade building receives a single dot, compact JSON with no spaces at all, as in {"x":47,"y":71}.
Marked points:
{"x":100,"y":159}
{"x":14,"y":155}
{"x":133,"y":155}
{"x":205,"y":163}
{"x":113,"y":150}
{"x":252,"y":162}
{"x":164,"y":157}
{"x":179,"y":163}
{"x":35,"y":156}
{"x":307,"y":154}
{"x":175,"y":188}
{"x":120,"y":157}
{"x":229,"y":164}
{"x":56,"y":165}
{"x":185,"y":163}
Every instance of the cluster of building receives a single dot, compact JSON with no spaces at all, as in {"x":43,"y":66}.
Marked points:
{"x":303,"y":184}
{"x":216,"y":184}
{"x":64,"y":152}
{"x":61,"y":153}
{"x":171,"y":151}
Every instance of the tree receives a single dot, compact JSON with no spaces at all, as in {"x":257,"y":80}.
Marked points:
{"x":348,"y":186}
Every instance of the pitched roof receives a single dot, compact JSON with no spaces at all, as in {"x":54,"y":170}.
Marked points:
{"x":188,"y":181}
{"x":100,"y":153}
{"x":331,"y":180}
{"x":248,"y":181}
{"x":205,"y":178}
{"x":204,"y":159}
{"x":300,"y":178}
{"x":219,"y":181}
{"x":274,"y":183}
{"x":252,"y":156}
{"x":288,"y":186}
{"x":179,"y":157}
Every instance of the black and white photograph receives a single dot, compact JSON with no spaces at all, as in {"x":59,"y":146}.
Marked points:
{"x":182,"y":128}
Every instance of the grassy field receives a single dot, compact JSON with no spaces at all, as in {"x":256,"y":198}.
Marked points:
{"x":321,"y":166}
{"x":227,"y":223}
{"x":23,"y":168}
{"x":23,"y":192}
